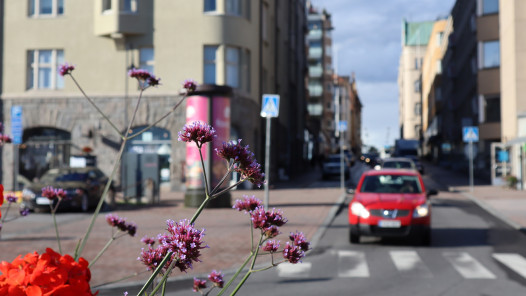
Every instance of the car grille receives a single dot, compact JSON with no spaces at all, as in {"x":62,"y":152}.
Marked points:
{"x":389,"y":213}
{"x":402,"y":231}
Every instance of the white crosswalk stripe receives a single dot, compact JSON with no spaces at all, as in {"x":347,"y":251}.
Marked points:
{"x":300,"y":270}
{"x":352,"y":264}
{"x":515,"y":262}
{"x":468,"y":266}
{"x":409,"y":263}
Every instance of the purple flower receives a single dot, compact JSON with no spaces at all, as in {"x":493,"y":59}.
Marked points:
{"x":264,"y":220}
{"x":11,"y":198}
{"x":5,"y":139}
{"x":298,"y":239}
{"x":121,"y":224}
{"x":248,"y":204}
{"x":139,"y":74}
{"x":153,"y":81}
{"x":216,"y":278}
{"x":65,"y":69}
{"x":292,"y":253}
{"x":198,"y":132}
{"x":190,"y":85}
{"x":244,"y":161}
{"x":52,"y":193}
{"x":199,"y":284}
{"x":24,"y":211}
{"x":148,"y":240}
{"x":152,"y":257}
{"x":271,"y":246}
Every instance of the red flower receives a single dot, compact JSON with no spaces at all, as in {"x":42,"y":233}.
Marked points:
{"x":1,"y":197}
{"x":45,"y":274}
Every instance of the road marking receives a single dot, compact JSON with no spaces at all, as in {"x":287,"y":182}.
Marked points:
{"x":468,"y":266}
{"x":410,"y":264}
{"x":356,"y":261}
{"x":300,"y":270}
{"x":515,"y":262}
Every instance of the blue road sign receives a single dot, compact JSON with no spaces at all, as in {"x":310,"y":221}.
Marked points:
{"x":342,"y":126}
{"x":16,"y":124}
{"x":470,"y":134}
{"x":270,"y":106}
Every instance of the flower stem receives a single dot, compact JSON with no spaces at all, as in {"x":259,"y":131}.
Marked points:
{"x":236,"y":274}
{"x":113,"y":237}
{"x":227,"y":189}
{"x":53,"y":211}
{"x":204,"y":172}
{"x":251,"y":270}
{"x":94,"y":105}
{"x":200,"y":209}
{"x":155,"y":273}
{"x":223,"y":179}
{"x":5,"y":214}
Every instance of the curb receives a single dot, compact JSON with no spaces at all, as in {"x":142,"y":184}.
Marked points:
{"x":328,"y":220}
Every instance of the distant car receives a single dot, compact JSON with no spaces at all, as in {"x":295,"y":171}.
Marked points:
{"x":390,"y":203}
{"x":396,"y":163}
{"x":418,"y":163}
{"x":370,"y":159}
{"x":350,"y":156}
{"x":83,"y":187}
{"x":331,"y":166}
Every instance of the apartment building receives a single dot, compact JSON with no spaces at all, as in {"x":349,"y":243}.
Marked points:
{"x":230,"y":46}
{"x":320,"y":105}
{"x":415,"y":37}
{"x":431,"y":89}
{"x":349,"y":109}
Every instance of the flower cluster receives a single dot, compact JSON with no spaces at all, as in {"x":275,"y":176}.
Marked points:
{"x":244,"y":161}
{"x":294,"y":251}
{"x":183,"y":240}
{"x":11,"y":198}
{"x":53,"y":193}
{"x":198,"y":132}
{"x":144,"y":77}
{"x":121,"y":224}
{"x":267,"y":221}
{"x":270,"y":246}
{"x":248,"y":204}
{"x":190,"y":85}
{"x":215,"y":277}
{"x":1,"y":197}
{"x":3,"y":137}
{"x":45,"y":274}
{"x":65,"y":69}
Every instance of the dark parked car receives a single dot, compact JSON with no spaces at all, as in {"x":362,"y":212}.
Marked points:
{"x":332,"y":166}
{"x":83,"y":187}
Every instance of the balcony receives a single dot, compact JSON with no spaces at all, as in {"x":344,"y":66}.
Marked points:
{"x":315,"y":71}
{"x":118,"y":18}
{"x":315,"y":109}
{"x":315,"y":53}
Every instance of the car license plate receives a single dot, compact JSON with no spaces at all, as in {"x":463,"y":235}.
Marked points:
{"x":43,"y":201}
{"x":389,"y":223}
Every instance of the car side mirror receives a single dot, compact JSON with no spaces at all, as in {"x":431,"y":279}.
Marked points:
{"x":431,"y":192}
{"x":350,"y":191}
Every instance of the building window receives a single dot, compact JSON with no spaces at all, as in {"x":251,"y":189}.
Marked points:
{"x":147,"y":59}
{"x":42,"y":68}
{"x":417,"y":85}
{"x":209,"y":61}
{"x":418,"y":109}
{"x":489,"y":52}
{"x":439,"y":37}
{"x":209,"y":5}
{"x":234,"y":7}
{"x":264,"y":23}
{"x":46,"y":7}
{"x":130,"y":6}
{"x":106,"y":5}
{"x":233,"y":64}
{"x":490,"y":6}
{"x":492,"y":109}
{"x":245,"y":70}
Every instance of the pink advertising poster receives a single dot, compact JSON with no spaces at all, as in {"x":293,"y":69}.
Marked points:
{"x":196,"y":110}
{"x":221,"y":123}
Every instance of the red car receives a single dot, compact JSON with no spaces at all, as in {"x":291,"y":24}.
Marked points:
{"x":391,"y":202}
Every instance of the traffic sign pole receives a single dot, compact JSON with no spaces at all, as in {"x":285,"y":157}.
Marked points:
{"x":471,"y":166}
{"x":267,"y":163}
{"x":269,"y":109}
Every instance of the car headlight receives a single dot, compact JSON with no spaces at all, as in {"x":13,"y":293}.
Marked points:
{"x":28,"y":194}
{"x":421,"y":211}
{"x":359,"y":210}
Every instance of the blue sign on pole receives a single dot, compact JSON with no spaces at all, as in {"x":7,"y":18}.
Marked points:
{"x":16,"y":124}
{"x":270,"y":106}
{"x":470,"y":134}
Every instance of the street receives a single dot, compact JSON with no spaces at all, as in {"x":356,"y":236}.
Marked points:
{"x":471,"y":253}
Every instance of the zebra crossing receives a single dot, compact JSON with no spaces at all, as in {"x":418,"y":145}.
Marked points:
{"x":353,"y":264}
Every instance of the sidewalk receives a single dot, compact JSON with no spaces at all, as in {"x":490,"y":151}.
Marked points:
{"x":306,"y":205}
{"x":507,"y":204}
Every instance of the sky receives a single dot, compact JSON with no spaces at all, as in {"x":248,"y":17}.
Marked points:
{"x":367,"y":41}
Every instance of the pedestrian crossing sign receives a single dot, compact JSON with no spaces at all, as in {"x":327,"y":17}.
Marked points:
{"x":270,"y":106}
{"x":470,"y":134}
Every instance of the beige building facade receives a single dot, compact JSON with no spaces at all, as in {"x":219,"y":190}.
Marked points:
{"x":218,"y":42}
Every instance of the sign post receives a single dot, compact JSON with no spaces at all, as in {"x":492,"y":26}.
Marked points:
{"x":16,"y":133}
{"x":269,"y":109}
{"x":342,"y":128}
{"x":470,"y":134}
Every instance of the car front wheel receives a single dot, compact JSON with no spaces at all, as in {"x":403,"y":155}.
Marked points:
{"x":354,"y":237}
{"x":84,"y":203}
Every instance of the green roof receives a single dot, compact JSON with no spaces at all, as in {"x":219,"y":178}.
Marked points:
{"x":416,"y":33}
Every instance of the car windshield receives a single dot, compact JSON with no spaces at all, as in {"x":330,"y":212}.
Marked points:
{"x":63,"y":176}
{"x":333,"y":158}
{"x":391,"y":184}
{"x":398,"y":164}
